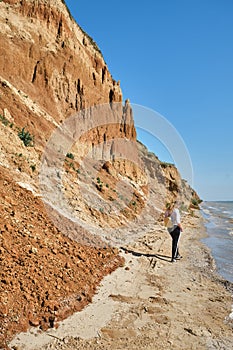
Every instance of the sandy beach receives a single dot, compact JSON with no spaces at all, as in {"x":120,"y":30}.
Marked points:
{"x":151,"y":303}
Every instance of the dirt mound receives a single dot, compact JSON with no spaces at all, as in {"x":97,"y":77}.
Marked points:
{"x":45,"y":276}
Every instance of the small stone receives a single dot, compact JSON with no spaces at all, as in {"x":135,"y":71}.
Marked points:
{"x":51,"y":321}
{"x":66,"y":340}
{"x":34,"y":322}
{"x":79,"y":298}
{"x":33,"y":250}
{"x":44,"y":326}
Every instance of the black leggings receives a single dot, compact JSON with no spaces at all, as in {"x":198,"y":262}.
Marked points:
{"x":175,"y":239}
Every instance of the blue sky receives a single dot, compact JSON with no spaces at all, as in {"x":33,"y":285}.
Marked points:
{"x":174,"y":57}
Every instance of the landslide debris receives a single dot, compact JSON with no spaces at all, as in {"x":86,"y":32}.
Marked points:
{"x":45,"y":276}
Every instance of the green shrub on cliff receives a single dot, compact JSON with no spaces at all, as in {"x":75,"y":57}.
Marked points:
{"x":195,"y":203}
{"x":4,"y":120}
{"x":26,"y":137}
{"x":70,"y":155}
{"x":166,"y":164}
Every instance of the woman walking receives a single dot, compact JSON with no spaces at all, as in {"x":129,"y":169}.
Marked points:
{"x":174,"y":228}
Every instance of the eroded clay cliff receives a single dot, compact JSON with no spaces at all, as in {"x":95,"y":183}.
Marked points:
{"x":50,"y":72}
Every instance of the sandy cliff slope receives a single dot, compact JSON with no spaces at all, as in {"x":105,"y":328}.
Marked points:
{"x":54,"y":83}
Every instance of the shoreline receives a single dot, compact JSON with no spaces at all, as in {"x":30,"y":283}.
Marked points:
{"x":212,"y":240}
{"x":214,"y":269}
{"x":150,"y":303}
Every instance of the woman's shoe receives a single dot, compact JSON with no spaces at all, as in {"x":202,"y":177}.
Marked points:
{"x":178,"y":257}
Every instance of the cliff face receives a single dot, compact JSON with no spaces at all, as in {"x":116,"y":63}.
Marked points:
{"x":48,"y":57}
{"x":52,"y":64}
{"x":50,"y":71}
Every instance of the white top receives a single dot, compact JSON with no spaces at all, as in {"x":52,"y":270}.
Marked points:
{"x":175,"y":217}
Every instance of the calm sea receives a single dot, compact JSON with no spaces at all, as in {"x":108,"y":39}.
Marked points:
{"x":219,"y":224}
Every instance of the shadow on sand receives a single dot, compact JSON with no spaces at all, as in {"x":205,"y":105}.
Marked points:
{"x":148,"y":255}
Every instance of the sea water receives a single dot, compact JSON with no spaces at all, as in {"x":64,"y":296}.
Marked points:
{"x":219,"y":223}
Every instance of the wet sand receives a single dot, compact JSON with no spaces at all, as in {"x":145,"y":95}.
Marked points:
{"x":151,"y":303}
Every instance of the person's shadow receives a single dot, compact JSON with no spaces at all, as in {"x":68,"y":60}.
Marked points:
{"x":148,"y":255}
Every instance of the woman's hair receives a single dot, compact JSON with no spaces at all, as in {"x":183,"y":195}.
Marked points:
{"x":170,"y":205}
